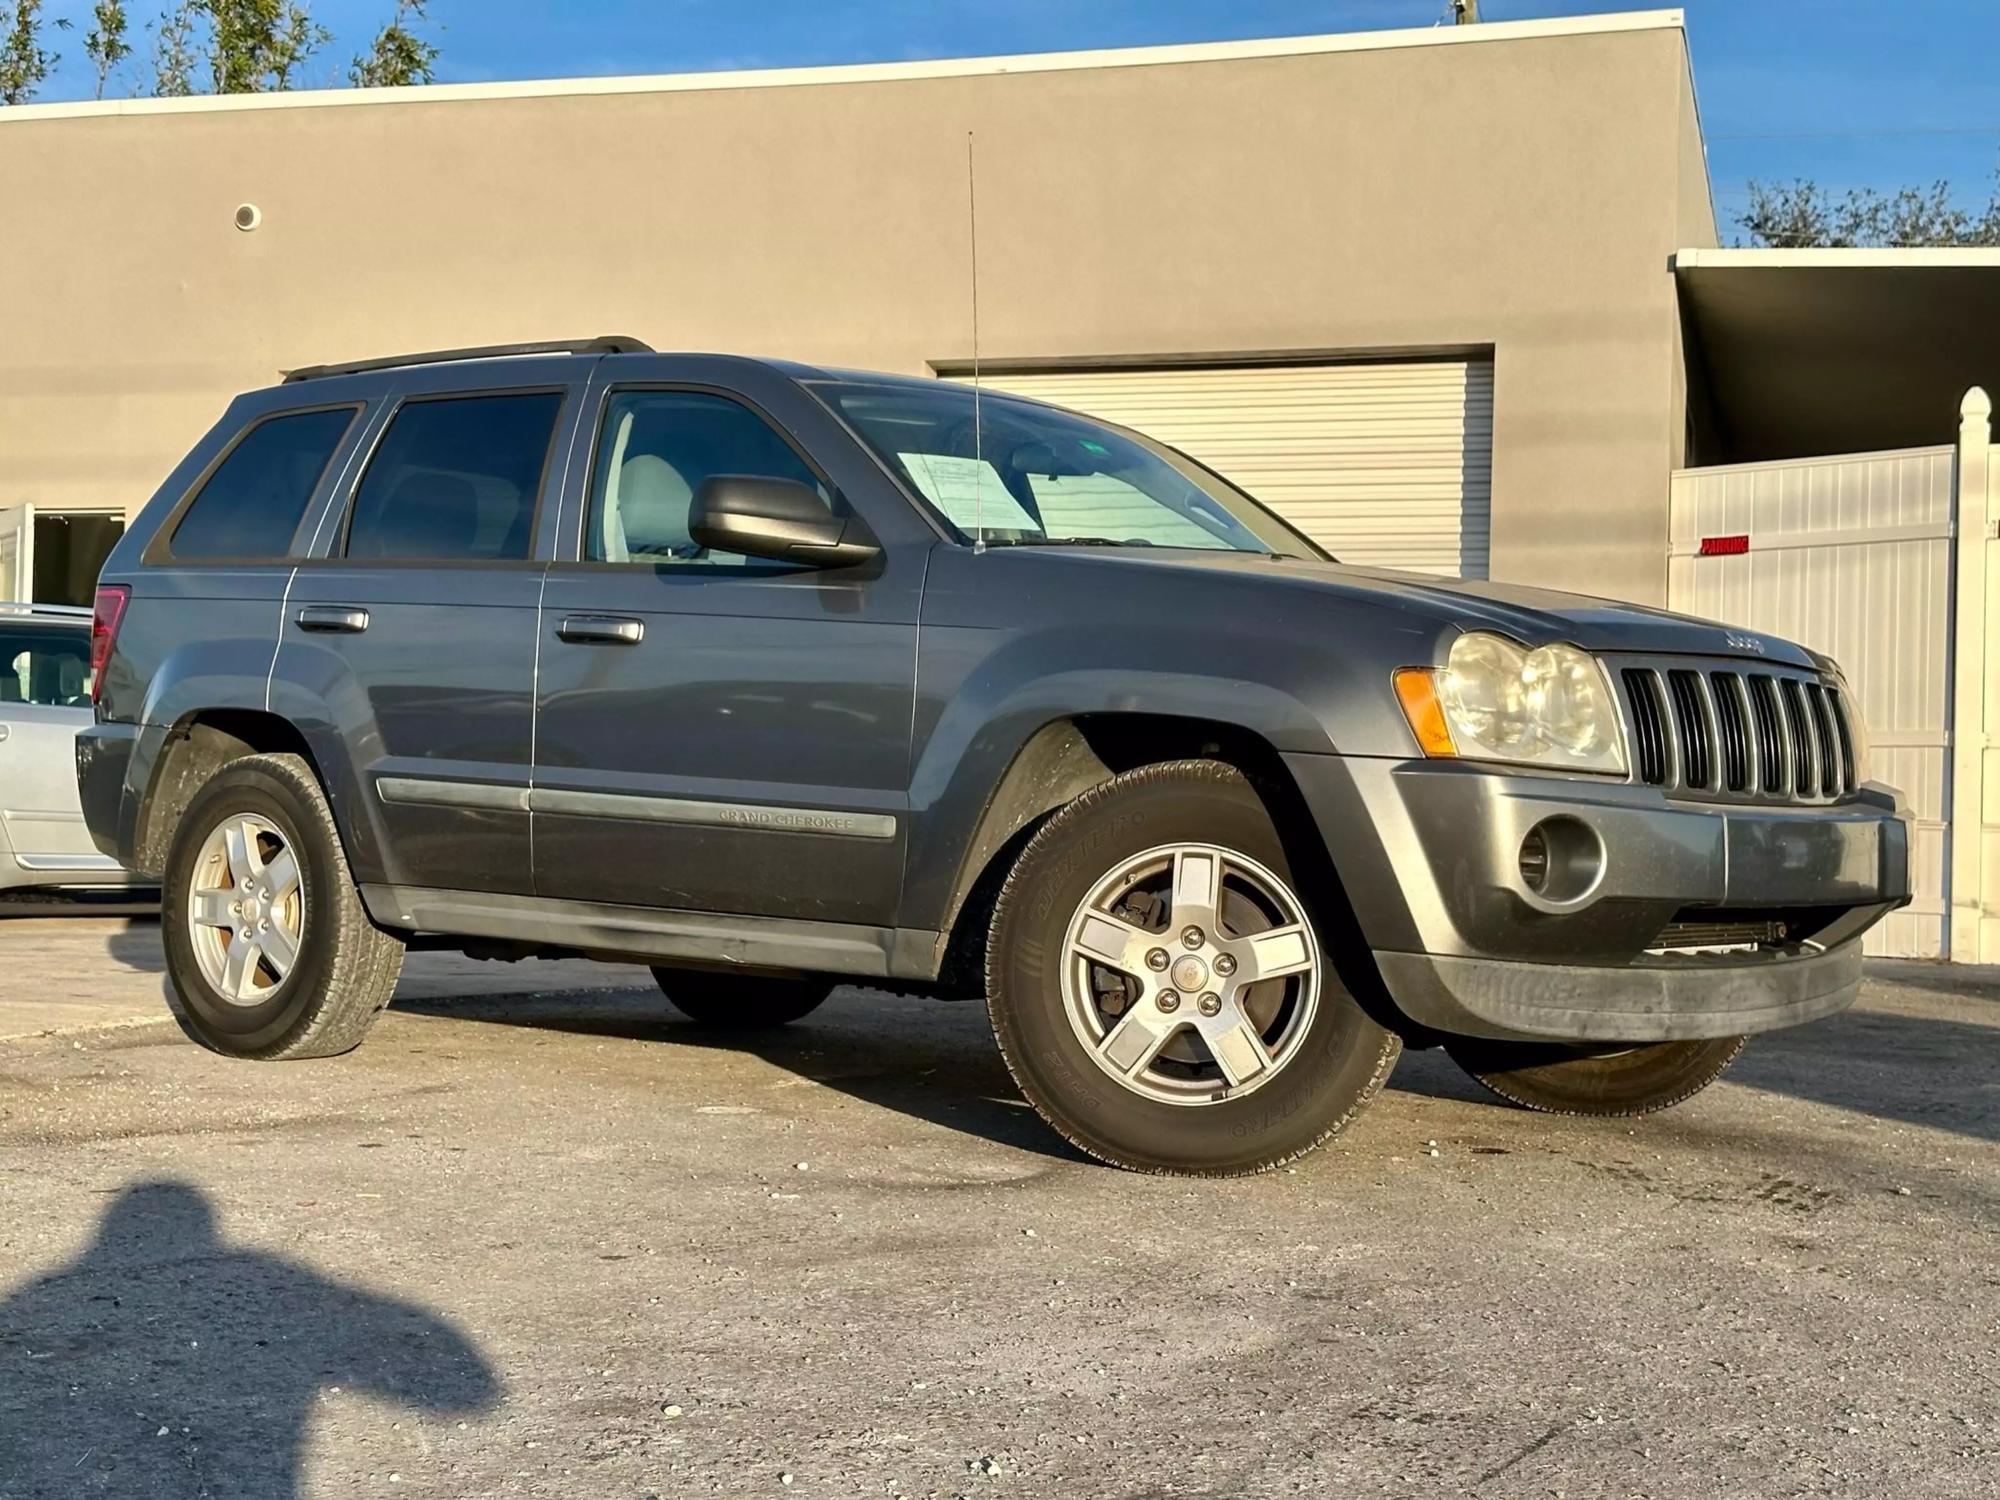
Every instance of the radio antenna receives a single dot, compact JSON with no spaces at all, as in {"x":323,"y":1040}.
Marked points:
{"x":978,"y":437}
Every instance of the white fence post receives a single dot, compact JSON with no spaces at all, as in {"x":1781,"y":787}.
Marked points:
{"x":1975,"y":696}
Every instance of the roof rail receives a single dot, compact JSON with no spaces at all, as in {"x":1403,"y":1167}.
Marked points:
{"x":611,"y":343}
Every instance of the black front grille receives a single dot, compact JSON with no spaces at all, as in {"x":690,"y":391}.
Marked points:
{"x":1649,"y":725}
{"x":1798,"y":724}
{"x":1850,"y":773}
{"x":1770,"y":733}
{"x":1691,"y":726}
{"x":1830,"y":779}
{"x":1734,"y":729}
{"x":1772,"y":736}
{"x":1718,"y":934}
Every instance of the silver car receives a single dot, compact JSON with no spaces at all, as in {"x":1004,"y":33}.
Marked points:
{"x":44,"y":701}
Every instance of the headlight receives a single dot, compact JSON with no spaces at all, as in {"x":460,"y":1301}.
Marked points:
{"x":1495,"y":700}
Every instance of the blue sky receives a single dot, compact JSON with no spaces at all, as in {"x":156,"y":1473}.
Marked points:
{"x":1851,"y":92}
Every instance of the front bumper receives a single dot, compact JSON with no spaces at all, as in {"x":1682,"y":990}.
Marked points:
{"x":1429,"y":854}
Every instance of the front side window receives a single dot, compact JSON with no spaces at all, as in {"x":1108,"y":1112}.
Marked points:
{"x":1017,"y":473}
{"x":44,"y":664}
{"x":253,"y":502}
{"x":654,"y":450}
{"x":456,"y":480}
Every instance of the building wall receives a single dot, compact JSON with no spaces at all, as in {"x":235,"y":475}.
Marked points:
{"x":1522,"y":194}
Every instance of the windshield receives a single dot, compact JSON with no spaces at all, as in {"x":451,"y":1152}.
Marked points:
{"x":1035,"y":476}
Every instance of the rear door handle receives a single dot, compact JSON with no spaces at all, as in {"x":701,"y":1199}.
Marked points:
{"x":340,"y":619}
{"x":602,"y":630}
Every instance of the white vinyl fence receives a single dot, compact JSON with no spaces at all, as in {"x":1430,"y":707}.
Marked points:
{"x":1865,"y":557}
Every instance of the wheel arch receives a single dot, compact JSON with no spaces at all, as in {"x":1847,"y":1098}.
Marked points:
{"x":200,"y":743}
{"x":1067,"y":756}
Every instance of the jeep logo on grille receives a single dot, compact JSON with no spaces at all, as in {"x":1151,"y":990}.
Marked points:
{"x":1744,"y":643}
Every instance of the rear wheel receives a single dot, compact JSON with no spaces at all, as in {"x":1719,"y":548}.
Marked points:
{"x":1157,"y":986}
{"x":270,"y":953}
{"x":742,"y":1002}
{"x":1561,"y":1080}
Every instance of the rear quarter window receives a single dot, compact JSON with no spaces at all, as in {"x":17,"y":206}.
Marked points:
{"x":252,"y":502}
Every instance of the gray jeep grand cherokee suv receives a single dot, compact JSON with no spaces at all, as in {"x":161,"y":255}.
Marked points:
{"x":775,"y":677}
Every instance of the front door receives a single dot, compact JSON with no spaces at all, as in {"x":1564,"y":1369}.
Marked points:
{"x":408,"y":638}
{"x":714,"y":732}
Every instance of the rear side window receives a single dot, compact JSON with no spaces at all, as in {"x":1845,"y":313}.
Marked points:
{"x":252,"y":503}
{"x":45,"y":664}
{"x":456,"y":480}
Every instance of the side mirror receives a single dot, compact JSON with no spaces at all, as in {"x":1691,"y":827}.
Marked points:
{"x":776,"y":518}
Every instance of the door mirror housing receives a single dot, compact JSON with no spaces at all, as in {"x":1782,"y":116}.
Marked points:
{"x":778,"y":519}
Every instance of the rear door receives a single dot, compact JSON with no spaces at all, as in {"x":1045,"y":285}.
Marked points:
{"x":408,"y":639}
{"x":44,"y":701}
{"x":715,"y":732}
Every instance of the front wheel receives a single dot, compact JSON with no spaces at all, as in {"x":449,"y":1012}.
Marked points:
{"x":1559,"y":1080}
{"x":1157,"y":985}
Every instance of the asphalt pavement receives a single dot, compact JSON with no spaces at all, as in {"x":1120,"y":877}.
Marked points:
{"x":539,"y":1236}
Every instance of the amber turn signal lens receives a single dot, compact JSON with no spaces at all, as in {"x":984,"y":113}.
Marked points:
{"x":1417,"y":692}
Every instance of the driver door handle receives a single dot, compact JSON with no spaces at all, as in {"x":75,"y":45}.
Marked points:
{"x":602,"y":630}
{"x":341,"y":619}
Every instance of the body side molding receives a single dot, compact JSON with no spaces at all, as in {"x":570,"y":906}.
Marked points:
{"x":651,"y":934}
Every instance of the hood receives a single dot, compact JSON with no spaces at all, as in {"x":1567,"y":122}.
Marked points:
{"x":1533,"y":616}
{"x":1538,"y":616}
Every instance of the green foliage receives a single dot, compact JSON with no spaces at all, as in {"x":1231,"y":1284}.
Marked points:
{"x":1803,"y":215}
{"x":24,"y":62}
{"x":174,"y":55}
{"x":209,"y":46}
{"x":250,"y":46}
{"x":104,"y":44}
{"x":398,"y":57}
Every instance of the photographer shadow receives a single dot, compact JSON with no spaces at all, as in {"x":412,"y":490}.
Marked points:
{"x":164,"y":1361}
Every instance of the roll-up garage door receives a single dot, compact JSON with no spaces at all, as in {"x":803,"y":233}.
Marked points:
{"x":1388,"y":463}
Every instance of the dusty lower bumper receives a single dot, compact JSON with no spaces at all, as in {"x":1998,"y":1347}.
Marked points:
{"x":1431,"y":857}
{"x":1694,"y":997}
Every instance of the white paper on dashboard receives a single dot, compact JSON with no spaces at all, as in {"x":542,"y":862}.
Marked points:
{"x":968,"y":490}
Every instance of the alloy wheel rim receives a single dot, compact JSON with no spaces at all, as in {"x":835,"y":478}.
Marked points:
{"x":1190,"y":974}
{"x":246,"y":909}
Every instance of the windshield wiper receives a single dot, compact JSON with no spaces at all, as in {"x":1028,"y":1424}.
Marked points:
{"x":1067,"y":541}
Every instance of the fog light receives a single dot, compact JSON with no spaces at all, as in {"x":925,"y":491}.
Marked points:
{"x":1561,"y":860}
{"x":1535,"y":860}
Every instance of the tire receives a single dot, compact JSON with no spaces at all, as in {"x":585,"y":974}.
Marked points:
{"x":742,"y":1002}
{"x":343,"y":969}
{"x":1318,"y":1060}
{"x":1559,"y":1080}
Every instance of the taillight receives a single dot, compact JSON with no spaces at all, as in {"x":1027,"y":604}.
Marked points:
{"x":107,"y":613}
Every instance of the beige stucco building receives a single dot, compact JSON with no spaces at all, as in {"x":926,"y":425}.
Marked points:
{"x":1416,"y":287}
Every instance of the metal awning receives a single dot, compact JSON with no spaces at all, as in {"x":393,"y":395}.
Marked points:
{"x":1805,"y":352}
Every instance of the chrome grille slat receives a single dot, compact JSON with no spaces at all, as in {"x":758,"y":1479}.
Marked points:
{"x":1732,"y":719}
{"x":1830,"y":777}
{"x":1647,"y":716}
{"x":1691,"y":728}
{"x":1773,"y":755}
{"x":1775,"y":735}
{"x":1805,"y":753}
{"x":1850,"y":773}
